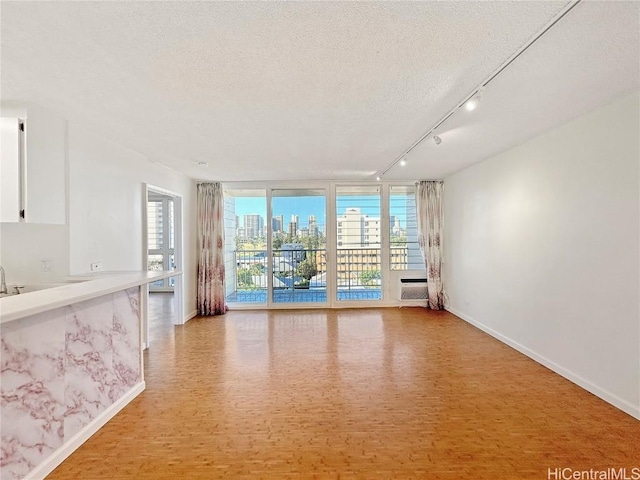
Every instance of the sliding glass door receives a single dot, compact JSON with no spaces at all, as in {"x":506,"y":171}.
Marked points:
{"x":298,"y":244}
{"x":291,"y":267}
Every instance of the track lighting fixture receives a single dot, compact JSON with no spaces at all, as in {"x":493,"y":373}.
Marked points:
{"x":471,"y":101}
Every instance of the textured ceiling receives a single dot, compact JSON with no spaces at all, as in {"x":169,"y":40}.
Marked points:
{"x":315,"y":90}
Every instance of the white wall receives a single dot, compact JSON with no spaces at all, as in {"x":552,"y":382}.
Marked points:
{"x":542,"y":250}
{"x":25,"y":245}
{"x":105,"y":201}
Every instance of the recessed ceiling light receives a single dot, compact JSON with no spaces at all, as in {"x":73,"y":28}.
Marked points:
{"x":203,"y":164}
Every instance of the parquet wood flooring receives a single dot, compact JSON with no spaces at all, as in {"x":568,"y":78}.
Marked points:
{"x":362,"y":393}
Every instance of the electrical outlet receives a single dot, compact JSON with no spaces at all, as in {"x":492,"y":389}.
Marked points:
{"x":46,"y":264}
{"x":96,"y":266}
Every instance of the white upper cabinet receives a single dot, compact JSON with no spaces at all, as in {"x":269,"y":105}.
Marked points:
{"x":35,"y":181}
{"x":10,"y":170}
{"x":46,"y":178}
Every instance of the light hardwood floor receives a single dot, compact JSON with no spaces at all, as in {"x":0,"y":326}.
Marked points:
{"x":363,"y":393}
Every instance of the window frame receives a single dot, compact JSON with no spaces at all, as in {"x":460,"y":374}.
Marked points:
{"x":334,"y":240}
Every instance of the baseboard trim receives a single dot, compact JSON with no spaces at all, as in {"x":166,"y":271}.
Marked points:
{"x":57,"y":457}
{"x":190,"y":315}
{"x":599,"y":392}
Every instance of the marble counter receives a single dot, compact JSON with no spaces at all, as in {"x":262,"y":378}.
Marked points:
{"x":71,"y":358}
{"x":78,"y":289}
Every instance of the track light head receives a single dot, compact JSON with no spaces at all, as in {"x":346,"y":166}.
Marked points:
{"x":403,"y":161}
{"x":437,"y":139}
{"x":473,"y":102}
{"x":378,"y":178}
{"x":471,"y":105}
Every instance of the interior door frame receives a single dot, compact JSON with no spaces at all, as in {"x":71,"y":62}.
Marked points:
{"x":178,"y":314}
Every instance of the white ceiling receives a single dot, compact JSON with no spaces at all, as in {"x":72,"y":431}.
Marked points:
{"x":315,"y":90}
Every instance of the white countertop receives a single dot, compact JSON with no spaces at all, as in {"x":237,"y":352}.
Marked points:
{"x":78,"y":289}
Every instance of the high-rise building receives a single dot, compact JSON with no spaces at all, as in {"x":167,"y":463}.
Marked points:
{"x":253,"y":225}
{"x":313,"y":226}
{"x":394,"y":222}
{"x":276,"y":223}
{"x":293,"y":225}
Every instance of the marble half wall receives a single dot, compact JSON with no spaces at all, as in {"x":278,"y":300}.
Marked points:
{"x":60,"y":370}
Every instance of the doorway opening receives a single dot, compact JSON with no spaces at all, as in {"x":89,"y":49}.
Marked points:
{"x":162,"y":246}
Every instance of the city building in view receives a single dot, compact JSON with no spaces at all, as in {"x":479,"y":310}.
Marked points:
{"x":358,"y":257}
{"x":293,"y":226}
{"x":356,"y":229}
{"x":253,"y":226}
{"x":277,"y":224}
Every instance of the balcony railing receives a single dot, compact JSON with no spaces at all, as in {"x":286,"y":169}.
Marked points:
{"x":299,"y":270}
{"x":292,"y":268}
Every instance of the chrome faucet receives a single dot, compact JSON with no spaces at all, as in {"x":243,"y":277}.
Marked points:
{"x":3,"y":282}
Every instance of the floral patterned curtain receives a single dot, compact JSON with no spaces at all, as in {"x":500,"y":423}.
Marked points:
{"x":430,"y":223}
{"x":211,"y":289}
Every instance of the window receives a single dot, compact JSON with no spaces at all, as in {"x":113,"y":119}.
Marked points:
{"x":404,"y":251}
{"x":359,"y":265}
{"x":276,"y":244}
{"x":245,"y":212}
{"x":160,"y":238}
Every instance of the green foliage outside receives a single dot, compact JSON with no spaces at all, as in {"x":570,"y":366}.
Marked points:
{"x":260,"y":243}
{"x":257,"y":269}
{"x":370,"y":277}
{"x":398,"y":239}
{"x":245,"y":281}
{"x":246,"y":274}
{"x":307,"y":269}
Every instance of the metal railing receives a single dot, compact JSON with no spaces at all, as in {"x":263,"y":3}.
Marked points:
{"x":357,"y":268}
{"x":292,"y":268}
